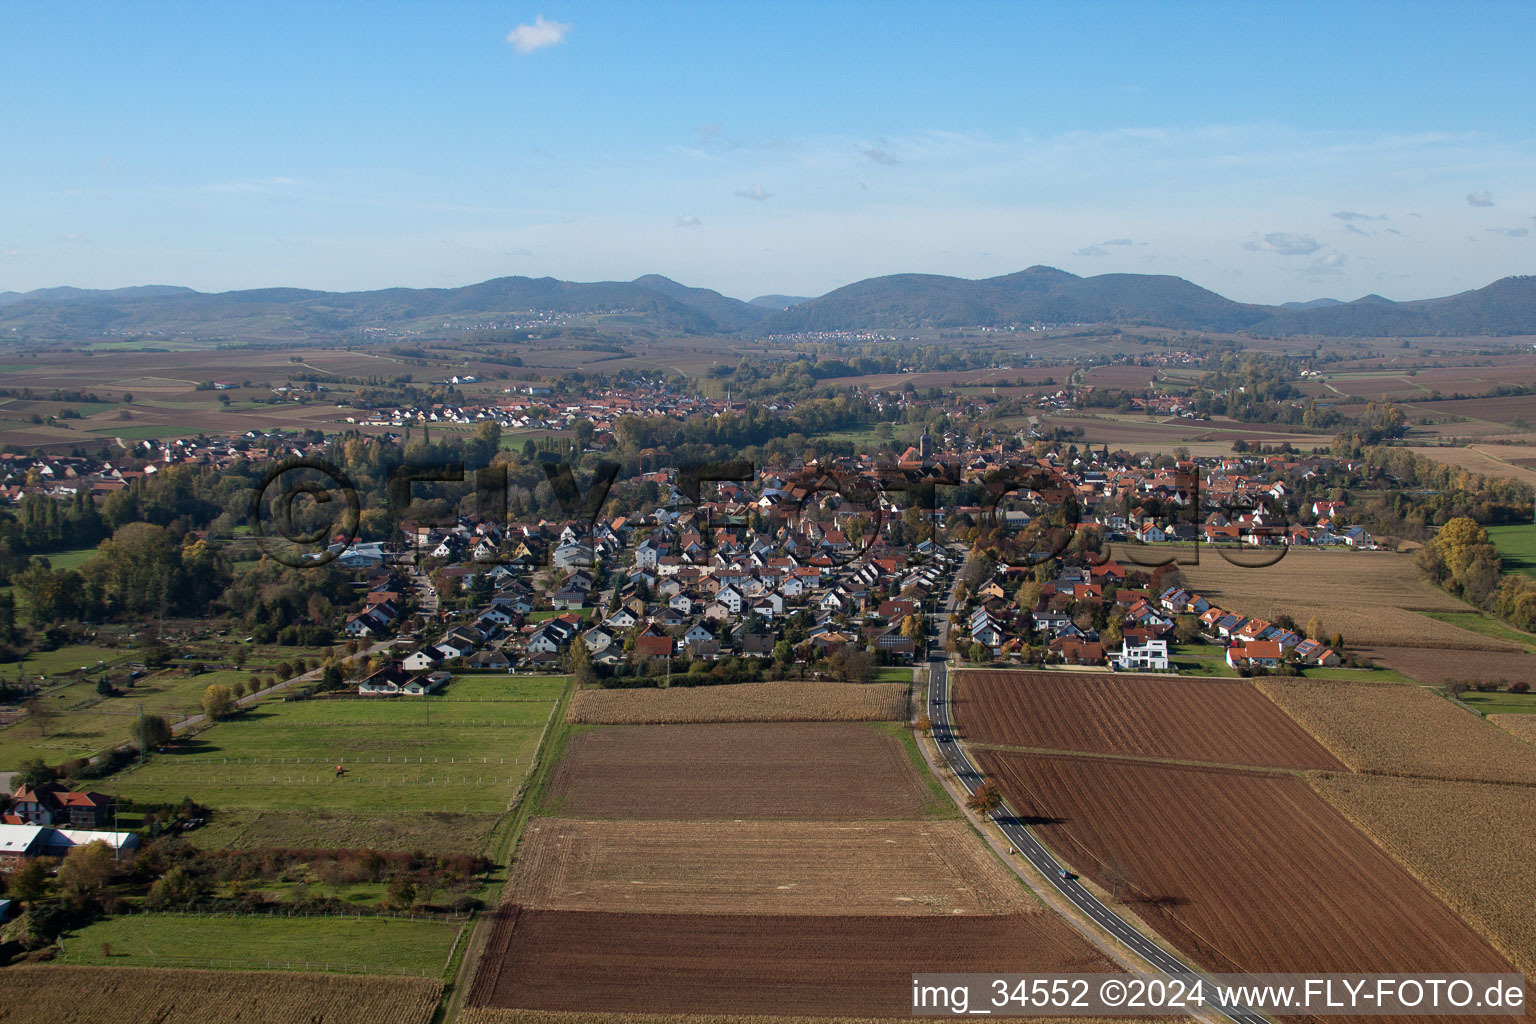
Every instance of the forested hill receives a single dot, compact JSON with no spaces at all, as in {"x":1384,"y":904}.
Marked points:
{"x":1038,"y":295}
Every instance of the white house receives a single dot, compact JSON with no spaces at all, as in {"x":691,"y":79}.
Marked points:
{"x":1152,"y":654}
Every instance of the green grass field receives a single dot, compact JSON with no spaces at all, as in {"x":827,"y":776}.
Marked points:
{"x":146,"y":432}
{"x":375,"y":945}
{"x":500,"y":686}
{"x":1517,"y":546}
{"x":81,"y":723}
{"x":67,"y":659}
{"x":70,"y":558}
{"x":892,"y":674}
{"x":402,"y":755}
{"x":1501,"y":703}
{"x":1487,"y":626}
{"x":426,"y":831}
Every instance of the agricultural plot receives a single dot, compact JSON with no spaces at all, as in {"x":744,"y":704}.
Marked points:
{"x":724,"y":963}
{"x":1242,"y":870}
{"x":361,"y":945}
{"x":1517,"y":545}
{"x":1403,"y":730}
{"x":62,"y":995}
{"x":400,"y":756}
{"x":1212,"y":720}
{"x":489,"y":1015}
{"x":1371,"y":597}
{"x":743,"y":702}
{"x":1513,"y":461}
{"x":1523,"y":726}
{"x":763,"y":867}
{"x":1431,"y":665}
{"x":813,"y":771}
{"x":1432,"y":826}
{"x":437,"y":832}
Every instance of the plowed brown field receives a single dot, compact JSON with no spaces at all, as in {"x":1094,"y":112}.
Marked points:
{"x":1221,"y":721}
{"x":1433,"y":665}
{"x":809,"y":770}
{"x":763,"y":867}
{"x":703,"y":963}
{"x":1240,"y":870}
{"x":50,"y":994}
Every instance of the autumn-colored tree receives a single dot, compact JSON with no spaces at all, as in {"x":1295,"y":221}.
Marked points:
{"x":986,"y":800}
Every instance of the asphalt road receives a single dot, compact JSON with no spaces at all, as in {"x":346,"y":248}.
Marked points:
{"x":1025,"y":842}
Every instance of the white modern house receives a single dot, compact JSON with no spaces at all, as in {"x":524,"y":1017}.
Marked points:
{"x":1152,"y":654}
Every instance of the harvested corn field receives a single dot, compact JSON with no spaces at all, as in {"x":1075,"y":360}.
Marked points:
{"x":1470,"y":842}
{"x":757,"y":867}
{"x":1523,"y":726}
{"x":86,"y":995}
{"x":1221,"y":721}
{"x":1372,"y":597}
{"x":1394,"y":729}
{"x":809,"y":770}
{"x":743,"y":702}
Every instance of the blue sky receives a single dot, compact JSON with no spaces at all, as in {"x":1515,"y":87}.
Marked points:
{"x":1269,"y":152}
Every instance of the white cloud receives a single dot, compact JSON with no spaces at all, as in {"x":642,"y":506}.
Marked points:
{"x":542,"y":33}
{"x":1091,"y":250}
{"x":1118,"y":241}
{"x":1357,"y":230}
{"x":1479,"y":199}
{"x":1509,"y":232}
{"x":1284,"y":243}
{"x":880,"y":156}
{"x":1355,"y":215}
{"x":756,"y":192}
{"x":688,"y":220}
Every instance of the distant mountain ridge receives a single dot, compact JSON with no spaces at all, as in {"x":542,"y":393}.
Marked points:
{"x":778,"y":301}
{"x":897,"y":302}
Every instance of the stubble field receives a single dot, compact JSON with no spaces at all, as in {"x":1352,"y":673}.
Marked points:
{"x":763,"y":867}
{"x":743,"y":702}
{"x":812,"y":770}
{"x":1241,"y":870}
{"x":1396,"y":729}
{"x":1218,"y":721}
{"x":741,"y":964}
